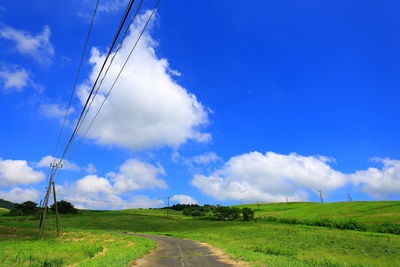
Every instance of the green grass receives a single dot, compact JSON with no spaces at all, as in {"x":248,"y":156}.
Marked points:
{"x":369,"y":212}
{"x":259,"y":243}
{"x":3,"y":211}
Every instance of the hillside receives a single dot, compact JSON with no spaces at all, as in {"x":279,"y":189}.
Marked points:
{"x":6,"y":204}
{"x":370,"y":212}
{"x":258,"y":242}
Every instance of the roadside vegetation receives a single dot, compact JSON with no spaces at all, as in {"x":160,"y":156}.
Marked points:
{"x":259,"y":242}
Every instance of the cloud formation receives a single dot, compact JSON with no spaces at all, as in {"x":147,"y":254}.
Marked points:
{"x":19,"y":195}
{"x":18,"y":172}
{"x":54,"y":110}
{"x":14,"y":80}
{"x":147,"y":108}
{"x":270,"y":177}
{"x":379,"y":183}
{"x":183,"y":199}
{"x":37,"y":46}
{"x":93,"y":191}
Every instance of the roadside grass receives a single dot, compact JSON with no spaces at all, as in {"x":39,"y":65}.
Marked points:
{"x":22,"y":247}
{"x":261,"y":243}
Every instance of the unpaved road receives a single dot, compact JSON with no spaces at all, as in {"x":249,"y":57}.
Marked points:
{"x":175,"y":252}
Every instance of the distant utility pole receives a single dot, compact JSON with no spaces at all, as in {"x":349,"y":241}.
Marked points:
{"x":349,"y":199}
{"x":320,"y":196}
{"x":241,"y":202}
{"x":287,"y":200}
{"x":168,"y":201}
{"x":54,"y":167}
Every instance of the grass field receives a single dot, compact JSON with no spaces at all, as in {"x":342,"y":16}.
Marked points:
{"x":369,"y":212}
{"x":259,"y":243}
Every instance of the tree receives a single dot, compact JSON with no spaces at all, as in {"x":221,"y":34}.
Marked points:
{"x":248,"y":214}
{"x":27,"y":208}
{"x":64,"y":207}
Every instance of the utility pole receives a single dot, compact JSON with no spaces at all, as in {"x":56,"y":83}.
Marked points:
{"x":241,"y":202}
{"x":287,"y":200}
{"x":168,"y":201}
{"x":349,"y":199}
{"x":54,"y":166}
{"x":320,"y":196}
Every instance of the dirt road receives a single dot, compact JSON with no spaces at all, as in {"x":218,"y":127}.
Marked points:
{"x":173,"y":252}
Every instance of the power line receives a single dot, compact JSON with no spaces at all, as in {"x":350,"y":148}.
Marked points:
{"x":98,"y":76}
{"x":76,"y":78}
{"x":105,"y":73}
{"x":55,"y":166}
{"x":119,"y":74}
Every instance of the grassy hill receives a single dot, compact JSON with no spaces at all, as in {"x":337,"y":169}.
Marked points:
{"x":369,"y":212}
{"x":261,"y":243}
{"x":3,"y":211}
{"x":6,"y":204}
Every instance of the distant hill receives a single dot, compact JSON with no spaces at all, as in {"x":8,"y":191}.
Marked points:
{"x":6,"y":204}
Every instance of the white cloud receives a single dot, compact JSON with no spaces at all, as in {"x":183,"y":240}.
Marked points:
{"x":67,"y":165}
{"x":38,"y":46}
{"x":18,"y":172}
{"x":380,"y":183}
{"x":54,"y":110}
{"x":93,"y":184}
{"x":206,"y":158}
{"x":147,"y":108}
{"x":183,"y":199}
{"x":19,"y":195}
{"x":90,"y":168}
{"x":97,"y":192}
{"x":270,"y":177}
{"x":14,"y":80}
{"x":135,"y":174}
{"x":112,"y":6}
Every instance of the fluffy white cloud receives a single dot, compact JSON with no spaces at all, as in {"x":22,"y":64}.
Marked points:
{"x":206,"y":158}
{"x":97,"y":192}
{"x":270,"y":177}
{"x":380,"y":183}
{"x":18,"y":172}
{"x":93,"y":184}
{"x":18,"y":195}
{"x":147,"y":108}
{"x":183,"y":199}
{"x":135,"y":174}
{"x":54,"y":110}
{"x":14,"y":80}
{"x":67,"y":165}
{"x":38,"y":46}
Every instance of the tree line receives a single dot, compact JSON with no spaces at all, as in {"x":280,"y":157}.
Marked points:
{"x":217,"y":212}
{"x":31,"y":208}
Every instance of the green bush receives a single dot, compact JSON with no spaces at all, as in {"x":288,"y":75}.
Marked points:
{"x":64,"y":207}
{"x":248,"y":214}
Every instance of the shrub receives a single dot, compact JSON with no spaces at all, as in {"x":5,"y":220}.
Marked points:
{"x":248,"y":214}
{"x":64,"y":207}
{"x":226,"y":213}
{"x":26,"y":208}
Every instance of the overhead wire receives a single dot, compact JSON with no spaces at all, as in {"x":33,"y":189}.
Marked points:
{"x":119,"y":74}
{"x":76,"y":78}
{"x":127,"y":11}
{"x":109,"y":65}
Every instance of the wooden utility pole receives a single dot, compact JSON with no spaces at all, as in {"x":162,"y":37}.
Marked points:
{"x":55,"y":205}
{"x":320,"y":196}
{"x":287,"y":200}
{"x":54,"y":167}
{"x":349,"y":199}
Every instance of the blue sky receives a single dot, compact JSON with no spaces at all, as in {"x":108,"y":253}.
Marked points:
{"x":221,"y":101}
